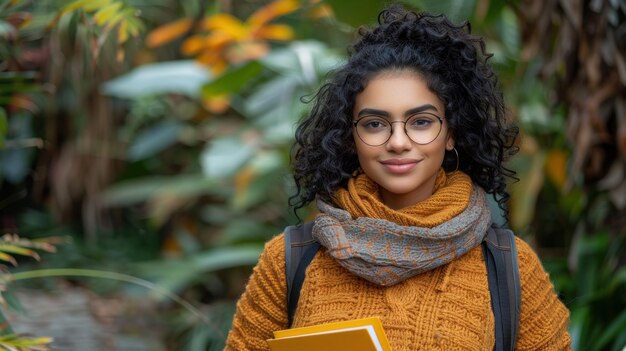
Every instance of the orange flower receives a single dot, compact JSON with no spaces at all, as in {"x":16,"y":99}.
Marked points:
{"x":224,"y":40}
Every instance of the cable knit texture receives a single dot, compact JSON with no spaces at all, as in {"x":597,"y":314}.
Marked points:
{"x":450,"y":197}
{"x":446,"y":308}
{"x":386,"y":253}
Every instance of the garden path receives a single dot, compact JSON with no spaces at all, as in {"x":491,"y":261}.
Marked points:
{"x":79,"y":320}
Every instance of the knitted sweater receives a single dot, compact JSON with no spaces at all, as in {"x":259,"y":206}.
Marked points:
{"x":447,"y":308}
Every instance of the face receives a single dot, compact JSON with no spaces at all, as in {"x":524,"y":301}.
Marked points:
{"x":404,"y":170}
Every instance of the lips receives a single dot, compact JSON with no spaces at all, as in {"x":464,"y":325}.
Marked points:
{"x":399,"y":166}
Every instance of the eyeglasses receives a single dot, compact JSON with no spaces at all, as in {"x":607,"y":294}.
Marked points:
{"x":422,"y":129}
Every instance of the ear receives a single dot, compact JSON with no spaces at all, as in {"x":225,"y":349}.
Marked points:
{"x":450,"y":142}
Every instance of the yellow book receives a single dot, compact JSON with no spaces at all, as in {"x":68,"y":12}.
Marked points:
{"x":365,"y":334}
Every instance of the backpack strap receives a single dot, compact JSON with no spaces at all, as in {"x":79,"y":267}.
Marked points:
{"x":300,"y":248}
{"x":500,"y":254}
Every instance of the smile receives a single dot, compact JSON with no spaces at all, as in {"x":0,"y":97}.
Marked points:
{"x":399,"y":166}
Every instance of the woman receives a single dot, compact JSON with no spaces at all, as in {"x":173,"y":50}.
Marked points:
{"x":399,"y":151}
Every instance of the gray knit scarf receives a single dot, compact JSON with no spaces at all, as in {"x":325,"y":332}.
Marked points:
{"x":386,"y":253}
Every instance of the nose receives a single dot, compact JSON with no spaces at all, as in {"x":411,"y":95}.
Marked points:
{"x":398,"y":141}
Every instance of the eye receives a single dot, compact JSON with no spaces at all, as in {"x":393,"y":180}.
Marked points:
{"x":373,"y":123}
{"x":421,"y":121}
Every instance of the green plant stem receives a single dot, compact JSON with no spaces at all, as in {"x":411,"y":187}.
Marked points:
{"x":93,"y":273}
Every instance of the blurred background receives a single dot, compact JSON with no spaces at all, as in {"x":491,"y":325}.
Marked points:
{"x":144,"y":156}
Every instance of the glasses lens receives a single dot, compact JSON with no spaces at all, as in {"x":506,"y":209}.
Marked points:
{"x":423,"y":128}
{"x":373,"y":130}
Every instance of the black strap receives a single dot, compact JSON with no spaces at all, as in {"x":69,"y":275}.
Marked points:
{"x":300,"y":248}
{"x":500,"y":255}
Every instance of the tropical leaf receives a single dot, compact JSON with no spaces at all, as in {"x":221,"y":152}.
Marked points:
{"x":184,"y":77}
{"x":109,"y":14}
{"x":173,"y":274}
{"x":233,"y":80}
{"x":154,"y":139}
{"x":144,"y":189}
{"x":271,"y":11}
{"x":168,"y":32}
{"x":13,"y":342}
{"x":224,"y":156}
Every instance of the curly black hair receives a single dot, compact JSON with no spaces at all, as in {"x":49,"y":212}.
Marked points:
{"x":453,"y":64}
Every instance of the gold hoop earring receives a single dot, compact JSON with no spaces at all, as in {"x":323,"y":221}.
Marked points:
{"x":457,"y":158}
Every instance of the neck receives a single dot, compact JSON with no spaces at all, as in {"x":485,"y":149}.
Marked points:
{"x":400,"y":201}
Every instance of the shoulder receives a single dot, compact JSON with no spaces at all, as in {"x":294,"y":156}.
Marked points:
{"x":540,"y":306}
{"x":528,"y":260}
{"x":276,"y":244}
{"x":274,"y":252}
{"x":539,"y":298}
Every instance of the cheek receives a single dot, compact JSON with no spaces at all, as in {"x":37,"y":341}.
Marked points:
{"x":357,"y":146}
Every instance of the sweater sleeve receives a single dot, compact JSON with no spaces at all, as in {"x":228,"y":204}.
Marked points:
{"x":262,"y":307}
{"x":544,"y":319}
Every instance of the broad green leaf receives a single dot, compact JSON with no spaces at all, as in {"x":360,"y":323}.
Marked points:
{"x":226,"y":257}
{"x":184,"y":77}
{"x":15,"y":162}
{"x":17,"y":82}
{"x":579,"y":318}
{"x":8,"y":258}
{"x":615,"y":328}
{"x":524,"y":193}
{"x":245,"y":229}
{"x":223,"y":156}
{"x":619,"y":278}
{"x":87,"y":5}
{"x":6,"y":30}
{"x":18,"y":250}
{"x":258,"y":179}
{"x":233,"y":80}
{"x":154,"y":140}
{"x":275,"y":106}
{"x":95,"y":5}
{"x":75,"y":5}
{"x":308,"y":59}
{"x":117,"y":17}
{"x":508,"y":29}
{"x":107,"y":12}
{"x":174,"y":274}
{"x":620,"y":342}
{"x":258,"y":190}
{"x":135,"y":25}
{"x":272,"y":99}
{"x":12,"y":77}
{"x":143,"y":189}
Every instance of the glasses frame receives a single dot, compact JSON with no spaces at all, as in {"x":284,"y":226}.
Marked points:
{"x":355,"y":123}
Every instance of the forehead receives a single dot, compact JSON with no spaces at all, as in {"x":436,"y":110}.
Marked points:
{"x":396,"y":91}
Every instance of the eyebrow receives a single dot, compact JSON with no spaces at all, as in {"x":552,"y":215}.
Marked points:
{"x":410,"y":112}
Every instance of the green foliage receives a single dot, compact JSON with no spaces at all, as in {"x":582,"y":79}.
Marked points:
{"x":11,"y":245}
{"x":367,"y":14}
{"x":179,"y":172}
{"x":111,"y":15}
{"x":595,"y":292}
{"x":17,"y":343}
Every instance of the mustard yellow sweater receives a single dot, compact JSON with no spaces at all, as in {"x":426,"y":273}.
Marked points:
{"x":448,"y":308}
